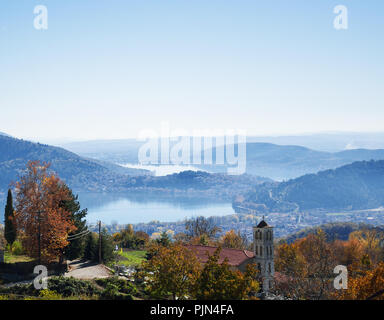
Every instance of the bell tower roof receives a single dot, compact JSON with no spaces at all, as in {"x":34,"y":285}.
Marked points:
{"x":262,"y":224}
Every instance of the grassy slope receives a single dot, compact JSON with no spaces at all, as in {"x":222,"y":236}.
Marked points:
{"x":132,"y":258}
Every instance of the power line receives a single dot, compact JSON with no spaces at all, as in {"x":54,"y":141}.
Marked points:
{"x":77,"y":234}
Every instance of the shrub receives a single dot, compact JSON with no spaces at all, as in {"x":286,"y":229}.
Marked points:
{"x":16,"y":249}
{"x":47,"y":294}
{"x":116,"y":285}
{"x":72,"y":287}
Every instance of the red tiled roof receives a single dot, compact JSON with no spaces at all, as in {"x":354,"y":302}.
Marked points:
{"x":235,"y":256}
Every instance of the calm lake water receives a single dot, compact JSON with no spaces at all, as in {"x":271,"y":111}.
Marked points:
{"x":126,"y":209}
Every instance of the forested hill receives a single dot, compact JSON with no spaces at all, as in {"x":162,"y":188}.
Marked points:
{"x":88,"y":175}
{"x":79,"y":173}
{"x":333,"y":231}
{"x":359,"y":185}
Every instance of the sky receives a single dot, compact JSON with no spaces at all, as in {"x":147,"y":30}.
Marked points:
{"x":108,"y":69}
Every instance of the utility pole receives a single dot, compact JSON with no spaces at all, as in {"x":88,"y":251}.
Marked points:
{"x":100,"y":241}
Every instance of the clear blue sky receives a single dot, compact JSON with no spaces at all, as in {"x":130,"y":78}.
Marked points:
{"x":107,"y":69}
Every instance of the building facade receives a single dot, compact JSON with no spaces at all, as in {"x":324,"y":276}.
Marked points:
{"x":263,"y":254}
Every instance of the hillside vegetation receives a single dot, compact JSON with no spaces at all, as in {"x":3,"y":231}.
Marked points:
{"x":79,"y":173}
{"x":359,"y":185}
{"x":333,"y":231}
{"x":88,"y":175}
{"x":278,"y":162}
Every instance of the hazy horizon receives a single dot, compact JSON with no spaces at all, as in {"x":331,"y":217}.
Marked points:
{"x":111,"y":69}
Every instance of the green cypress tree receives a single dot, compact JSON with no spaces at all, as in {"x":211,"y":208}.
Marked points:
{"x":76,"y":247}
{"x":107,"y":246}
{"x":9,"y":223}
{"x":90,"y":250}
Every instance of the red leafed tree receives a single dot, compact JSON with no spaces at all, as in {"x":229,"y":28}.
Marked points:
{"x":40,"y":217}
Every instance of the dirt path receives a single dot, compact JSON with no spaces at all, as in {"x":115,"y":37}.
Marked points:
{"x":87,"y":270}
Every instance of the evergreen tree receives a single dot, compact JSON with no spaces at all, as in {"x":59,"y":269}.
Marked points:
{"x":107,"y":246}
{"x":10,"y":226}
{"x":164,"y":239}
{"x":90,"y":250}
{"x":76,"y":247}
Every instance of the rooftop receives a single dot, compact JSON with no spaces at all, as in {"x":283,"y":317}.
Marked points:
{"x":235,"y":256}
{"x":262,"y":224}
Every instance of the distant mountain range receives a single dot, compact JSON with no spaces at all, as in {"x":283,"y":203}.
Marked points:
{"x":359,"y":185}
{"x":89,"y":175}
{"x":80,"y":173}
{"x":4,"y":134}
{"x":328,"y":141}
{"x":278,"y":162}
{"x":287,"y":162}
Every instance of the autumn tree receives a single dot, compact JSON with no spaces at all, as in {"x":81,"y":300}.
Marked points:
{"x":201,"y":226}
{"x":371,"y":241}
{"x":233,"y":240}
{"x":291,"y":267}
{"x":172,"y":271}
{"x":142,"y":239}
{"x":218,"y":281}
{"x":369,"y":286}
{"x":10,"y":231}
{"x":40,"y":217}
{"x":128,"y":238}
{"x":320,"y":263}
{"x":351,"y":254}
{"x":306,"y":268}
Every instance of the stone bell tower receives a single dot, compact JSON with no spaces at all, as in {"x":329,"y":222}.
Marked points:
{"x":263,"y":250}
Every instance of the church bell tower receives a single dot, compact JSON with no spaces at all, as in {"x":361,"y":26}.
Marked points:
{"x":263,"y":250}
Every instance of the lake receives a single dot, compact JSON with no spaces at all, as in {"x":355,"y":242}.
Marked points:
{"x":136,"y":208}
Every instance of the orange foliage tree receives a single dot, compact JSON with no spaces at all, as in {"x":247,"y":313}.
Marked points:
{"x":307,"y":266}
{"x":40,"y":217}
{"x":368,"y":286}
{"x":233,"y":240}
{"x":218,"y":281}
{"x":172,"y":271}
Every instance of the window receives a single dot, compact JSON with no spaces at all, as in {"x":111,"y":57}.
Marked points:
{"x":261,"y":251}
{"x":257,"y":250}
{"x":269,"y":268}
